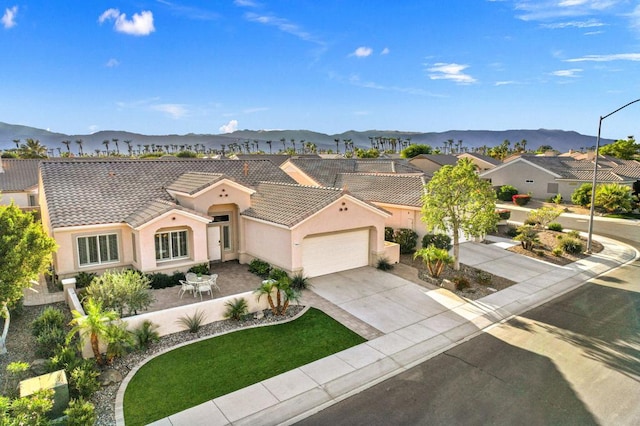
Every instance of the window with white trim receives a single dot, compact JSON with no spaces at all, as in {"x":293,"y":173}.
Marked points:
{"x":171,"y":245}
{"x":97,"y":249}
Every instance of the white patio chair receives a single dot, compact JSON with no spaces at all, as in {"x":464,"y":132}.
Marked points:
{"x":204,"y":287}
{"x":185,"y":287}
{"x":212,"y":280}
{"x":191,"y":277}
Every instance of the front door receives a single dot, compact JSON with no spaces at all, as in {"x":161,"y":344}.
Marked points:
{"x":213,"y":239}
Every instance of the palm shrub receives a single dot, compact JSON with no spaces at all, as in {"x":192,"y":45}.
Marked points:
{"x":442,"y":241}
{"x":93,"y":325}
{"x":613,"y":197}
{"x":193,"y":323}
{"x":407,"y":239}
{"x":285,"y":294}
{"x":236,"y":309}
{"x":146,"y":334}
{"x":384,"y":264}
{"x":528,"y":237}
{"x":299,"y":282}
{"x":435,"y":259}
{"x":506,"y":192}
{"x":120,"y":341}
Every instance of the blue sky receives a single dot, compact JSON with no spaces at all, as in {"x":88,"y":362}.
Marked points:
{"x":177,"y":67}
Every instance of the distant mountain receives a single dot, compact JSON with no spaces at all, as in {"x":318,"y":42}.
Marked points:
{"x":558,"y":139}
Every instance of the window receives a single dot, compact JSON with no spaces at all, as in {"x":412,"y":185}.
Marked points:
{"x":98,"y":249}
{"x":552,"y":188}
{"x":171,"y":245}
{"x":133,"y":247}
{"x":529,"y":181}
{"x":221,"y":218}
{"x":33,"y":200}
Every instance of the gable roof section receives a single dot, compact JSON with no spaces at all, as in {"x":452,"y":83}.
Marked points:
{"x":95,"y":192}
{"x":326,"y":171}
{"x":155,"y":209}
{"x":404,"y":190}
{"x":18,"y":175}
{"x":486,"y":158}
{"x":193,"y":182}
{"x":440,"y":159}
{"x":627,"y":171}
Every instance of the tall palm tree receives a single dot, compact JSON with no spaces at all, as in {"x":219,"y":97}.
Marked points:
{"x":269,"y":143}
{"x":32,"y":149}
{"x":93,"y":325}
{"x":115,"y":141}
{"x":17,"y":142}
{"x":67,"y":143}
{"x":128,"y":143}
{"x":106,"y":145}
{"x":80,"y":151}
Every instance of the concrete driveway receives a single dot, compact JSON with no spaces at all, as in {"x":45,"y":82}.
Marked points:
{"x":383,"y":300}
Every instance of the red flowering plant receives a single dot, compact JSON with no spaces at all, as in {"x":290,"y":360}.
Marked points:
{"x":521,"y":199}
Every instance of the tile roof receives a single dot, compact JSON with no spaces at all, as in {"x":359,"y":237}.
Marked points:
{"x":485,"y":158}
{"x":192,"y":182}
{"x":568,"y":168}
{"x":154,"y":209}
{"x":405,"y":190}
{"x":627,"y":171}
{"x":441,"y":159}
{"x":326,"y":171}
{"x":18,"y":175}
{"x":94,"y":192}
{"x":587,"y":175}
{"x":289,"y":204}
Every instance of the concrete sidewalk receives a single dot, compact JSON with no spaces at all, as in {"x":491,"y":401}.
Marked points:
{"x":414,"y":325}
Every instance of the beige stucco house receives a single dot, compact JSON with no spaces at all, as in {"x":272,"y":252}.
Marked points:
{"x":19,"y":182}
{"x":168,"y":215}
{"x":545,"y":176}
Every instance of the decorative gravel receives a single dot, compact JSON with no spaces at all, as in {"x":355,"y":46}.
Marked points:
{"x":21,"y":347}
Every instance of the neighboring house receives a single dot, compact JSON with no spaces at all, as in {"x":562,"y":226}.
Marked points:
{"x":167,"y":215}
{"x":19,"y":182}
{"x":545,"y":177}
{"x":431,"y":163}
{"x":393,"y":185}
{"x":482,"y":162}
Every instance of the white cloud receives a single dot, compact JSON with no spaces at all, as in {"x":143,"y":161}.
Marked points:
{"x":9,"y":17}
{"x":570,"y":73}
{"x":141,"y":24}
{"x":607,"y":58}
{"x":230,"y":127}
{"x":362,"y":52}
{"x":174,"y":111}
{"x":283,"y":25}
{"x":385,"y":51}
{"x":635,"y":18}
{"x":111,"y":63}
{"x":590,"y":23}
{"x":245,"y":3}
{"x":532,"y":10}
{"x":454,"y":72}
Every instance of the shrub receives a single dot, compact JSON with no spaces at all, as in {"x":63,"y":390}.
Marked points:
{"x":442,"y":241}
{"x":80,"y":413}
{"x":201,"y":269}
{"x":278,"y":274}
{"x":125,"y":291}
{"x":384,"y":264}
{"x":146,"y":334}
{"x":388,"y":234}
{"x":571,"y":245}
{"x":506,"y":192}
{"x":48,"y":340}
{"x":543,"y":216}
{"x":511,"y":231}
{"x":582,"y":195}
{"x":158,"y":280}
{"x":435,"y":259}
{"x":461,"y":282}
{"x":83,"y":279}
{"x":49,"y":318}
{"x":557,"y":199}
{"x":521,"y":199}
{"x":407,"y":239}
{"x":16,"y":372}
{"x":83,"y":380}
{"x":527,"y":236}
{"x":557,"y":251}
{"x":120,"y":341}
{"x":299,"y":282}
{"x":236,"y":309}
{"x":573,"y":234}
{"x":539,"y":253}
{"x":260,"y":268}
{"x":555,"y":226}
{"x":192,"y":323}
{"x":484,"y":278}
{"x":613,"y":197}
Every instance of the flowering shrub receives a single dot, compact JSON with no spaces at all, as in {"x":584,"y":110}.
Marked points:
{"x":521,"y":199}
{"x":503,"y":214}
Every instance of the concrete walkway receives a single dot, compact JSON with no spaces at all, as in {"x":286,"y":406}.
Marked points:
{"x":413,"y":324}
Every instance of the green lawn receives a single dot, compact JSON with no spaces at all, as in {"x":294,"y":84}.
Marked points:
{"x":195,"y":373}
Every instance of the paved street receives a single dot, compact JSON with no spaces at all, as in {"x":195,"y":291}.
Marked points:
{"x":574,"y":360}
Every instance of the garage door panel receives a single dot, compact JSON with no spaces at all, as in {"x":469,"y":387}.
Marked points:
{"x":335,"y":252}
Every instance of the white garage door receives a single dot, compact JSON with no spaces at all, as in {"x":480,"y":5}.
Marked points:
{"x":326,"y":254}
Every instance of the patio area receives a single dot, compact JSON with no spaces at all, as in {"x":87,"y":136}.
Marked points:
{"x":233,"y":278}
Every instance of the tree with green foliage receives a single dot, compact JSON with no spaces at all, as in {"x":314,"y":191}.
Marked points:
{"x":367,"y":153}
{"x":456,"y":199}
{"x":543,"y":216}
{"x":414,"y":150}
{"x":32,"y":148}
{"x":435,"y":259}
{"x":125,"y":292}
{"x":25,"y":252}
{"x":625,"y":149}
{"x":614,"y":198}
{"x":93,"y":325}
{"x":582,"y":195}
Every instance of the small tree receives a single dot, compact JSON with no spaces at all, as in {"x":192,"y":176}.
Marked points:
{"x":435,"y":259}
{"x":613,"y":197}
{"x":94,"y":325}
{"x":543,"y":216}
{"x":528,"y":237}
{"x":124,"y":292}
{"x":25,"y":252}
{"x":414,"y":150}
{"x":624,"y":149}
{"x":582,"y":195}
{"x":285,"y":294}
{"x":458,"y":200}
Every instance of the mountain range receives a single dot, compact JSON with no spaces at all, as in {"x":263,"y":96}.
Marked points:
{"x":560,"y":140}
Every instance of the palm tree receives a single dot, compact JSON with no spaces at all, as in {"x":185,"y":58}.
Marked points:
{"x":67,"y":143}
{"x":94,"y":325}
{"x":128,"y":143}
{"x":106,"y":145}
{"x":32,"y":149}
{"x":337,"y":141}
{"x":17,"y":142}
{"x":284,"y":144}
{"x":80,"y":151}
{"x":269,"y":143}
{"x":293,"y":143}
{"x":266,"y":288}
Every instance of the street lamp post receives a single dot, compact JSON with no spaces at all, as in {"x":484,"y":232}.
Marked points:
{"x":595,"y":174}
